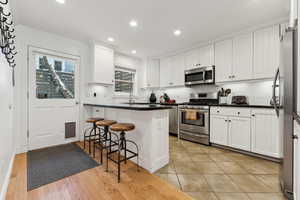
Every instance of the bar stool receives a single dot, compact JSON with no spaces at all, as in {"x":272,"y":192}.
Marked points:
{"x":105,"y":137}
{"x":122,"y":127}
{"x":91,"y":132}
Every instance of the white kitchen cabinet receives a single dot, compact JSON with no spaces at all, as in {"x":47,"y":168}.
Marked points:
{"x":191,"y":59}
{"x":223,"y":60}
{"x":153,"y":73}
{"x":242,"y":57}
{"x":219,"y":129}
{"x":172,"y":71}
{"x":206,"y":56}
{"x":239,"y":134}
{"x":266,"y":138}
{"x":165,"y":72}
{"x":296,"y":161}
{"x":266,"y":52}
{"x":103,"y":71}
{"x":177,"y":71}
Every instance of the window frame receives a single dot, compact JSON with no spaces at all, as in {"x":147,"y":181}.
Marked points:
{"x":135,"y":81}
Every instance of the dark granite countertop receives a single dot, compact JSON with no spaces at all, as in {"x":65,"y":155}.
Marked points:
{"x":244,"y":106}
{"x":138,"y":107}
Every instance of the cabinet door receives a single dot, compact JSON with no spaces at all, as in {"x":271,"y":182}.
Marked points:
{"x":223,"y":60}
{"x":153,"y":73}
{"x":266,"y":139}
{"x":297,"y":161}
{"x":219,"y":129}
{"x":266,"y":52}
{"x":177,"y":71}
{"x":103,"y":65}
{"x":242,"y":57}
{"x":165,"y":72}
{"x":239,"y":132}
{"x":191,"y":59}
{"x":206,"y":55}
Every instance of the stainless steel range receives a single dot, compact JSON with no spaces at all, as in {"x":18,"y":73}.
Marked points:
{"x":194,"y":118}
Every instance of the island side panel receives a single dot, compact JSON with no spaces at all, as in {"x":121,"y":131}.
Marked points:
{"x":151,"y":134}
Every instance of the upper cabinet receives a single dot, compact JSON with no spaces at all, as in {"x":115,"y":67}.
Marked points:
{"x":203,"y":56}
{"x":266,"y":52}
{"x":152,"y":73}
{"x":103,"y":71}
{"x":172,"y":71}
{"x":242,"y":57}
{"x":223,"y":60}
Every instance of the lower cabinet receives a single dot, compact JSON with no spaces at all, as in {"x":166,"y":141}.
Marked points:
{"x":236,"y":128}
{"x":219,"y":129}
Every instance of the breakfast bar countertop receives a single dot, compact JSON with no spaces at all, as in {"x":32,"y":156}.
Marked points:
{"x":139,"y":107}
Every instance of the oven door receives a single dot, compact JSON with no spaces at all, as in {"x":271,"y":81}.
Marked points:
{"x":209,"y":75}
{"x":198,"y":126}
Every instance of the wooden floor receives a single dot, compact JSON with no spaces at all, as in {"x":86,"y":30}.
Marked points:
{"x":94,"y":184}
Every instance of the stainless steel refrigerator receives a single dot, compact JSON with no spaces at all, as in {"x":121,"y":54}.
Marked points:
{"x":285,"y":99}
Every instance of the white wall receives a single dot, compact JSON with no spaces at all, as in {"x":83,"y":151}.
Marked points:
{"x":259,"y":93}
{"x":31,"y":37}
{"x":7,"y":138}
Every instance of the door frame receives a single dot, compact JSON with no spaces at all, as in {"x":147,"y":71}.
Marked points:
{"x":52,"y":52}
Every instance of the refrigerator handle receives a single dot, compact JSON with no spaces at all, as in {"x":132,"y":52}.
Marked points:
{"x":274,"y":93}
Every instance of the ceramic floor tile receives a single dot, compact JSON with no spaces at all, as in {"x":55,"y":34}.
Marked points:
{"x":271,"y":181}
{"x":232,"y":196}
{"x":221,"y":183}
{"x":180,"y":156}
{"x":193,"y":183}
{"x":220,"y":158}
{"x":266,"y":196}
{"x":202,"y":195}
{"x":231,"y":168}
{"x":199,"y":157}
{"x":168,"y":169}
{"x":185,"y":168}
{"x":260,"y":167}
{"x":208,"y":168}
{"x":249,"y":183}
{"x":170,"y":178}
{"x":240,"y":157}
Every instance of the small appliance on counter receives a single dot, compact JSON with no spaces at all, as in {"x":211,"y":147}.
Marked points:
{"x":240,"y":100}
{"x":152,"y":98}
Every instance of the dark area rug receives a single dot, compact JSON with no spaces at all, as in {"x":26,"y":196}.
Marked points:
{"x":48,"y":165}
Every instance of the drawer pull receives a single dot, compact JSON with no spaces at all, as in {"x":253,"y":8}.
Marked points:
{"x":239,"y":113}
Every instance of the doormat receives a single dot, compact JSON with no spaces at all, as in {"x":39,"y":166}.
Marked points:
{"x":51,"y":164}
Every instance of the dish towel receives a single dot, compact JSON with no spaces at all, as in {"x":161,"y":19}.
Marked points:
{"x":191,"y":115}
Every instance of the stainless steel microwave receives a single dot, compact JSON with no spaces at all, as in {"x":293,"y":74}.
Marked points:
{"x":201,"y":75}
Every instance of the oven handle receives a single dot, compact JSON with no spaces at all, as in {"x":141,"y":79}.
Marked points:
{"x":201,"y":111}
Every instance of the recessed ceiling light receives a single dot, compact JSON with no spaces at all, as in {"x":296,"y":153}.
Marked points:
{"x":133,"y":23}
{"x":177,"y":32}
{"x":110,"y":39}
{"x":61,"y":1}
{"x":133,"y":51}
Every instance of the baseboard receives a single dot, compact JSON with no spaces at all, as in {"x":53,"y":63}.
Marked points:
{"x":7,"y":178}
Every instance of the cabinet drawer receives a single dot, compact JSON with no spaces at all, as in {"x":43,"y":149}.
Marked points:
{"x":231,"y":111}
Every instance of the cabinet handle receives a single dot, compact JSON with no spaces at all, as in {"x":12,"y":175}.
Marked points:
{"x":112,"y":81}
{"x":233,"y":76}
{"x":238,"y":113}
{"x":229,"y":76}
{"x":218,"y":111}
{"x":253,"y":115}
{"x":225,"y":120}
{"x":229,"y":121}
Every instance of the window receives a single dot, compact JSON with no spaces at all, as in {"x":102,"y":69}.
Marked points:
{"x":125,"y":80}
{"x":54,"y":77}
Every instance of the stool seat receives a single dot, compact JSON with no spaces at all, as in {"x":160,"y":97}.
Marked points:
{"x":106,"y":123}
{"x":122,"y":127}
{"x":94,"y":119}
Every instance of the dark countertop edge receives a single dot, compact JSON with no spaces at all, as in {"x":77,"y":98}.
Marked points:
{"x":243,"y":106}
{"x":130,"y":107}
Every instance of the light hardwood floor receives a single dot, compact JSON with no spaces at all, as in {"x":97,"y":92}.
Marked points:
{"x":94,"y":184}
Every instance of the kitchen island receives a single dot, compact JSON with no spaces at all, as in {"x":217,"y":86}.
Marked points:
{"x":151,"y":131}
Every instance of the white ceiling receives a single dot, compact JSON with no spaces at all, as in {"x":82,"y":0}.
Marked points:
{"x":199,"y":20}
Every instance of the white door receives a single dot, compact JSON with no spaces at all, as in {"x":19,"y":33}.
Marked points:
{"x":177,"y":71}
{"x":191,"y":59}
{"x":219,"y":129}
{"x":239,"y":133}
{"x":207,"y":55}
{"x":53,"y":92}
{"x":152,"y":73}
{"x":266,"y":52}
{"x":223,"y":60}
{"x":266,"y":139}
{"x":242,"y":57}
{"x":165,"y":73}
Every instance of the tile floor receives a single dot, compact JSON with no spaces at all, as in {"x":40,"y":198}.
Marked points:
{"x":210,"y":173}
